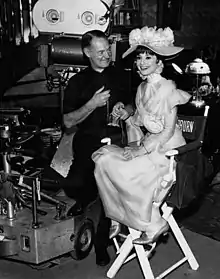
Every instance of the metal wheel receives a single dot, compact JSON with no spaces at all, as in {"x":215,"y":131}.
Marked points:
{"x":83,"y":240}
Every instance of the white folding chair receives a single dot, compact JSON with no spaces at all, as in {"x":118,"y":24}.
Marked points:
{"x":124,"y":244}
{"x":143,"y":255}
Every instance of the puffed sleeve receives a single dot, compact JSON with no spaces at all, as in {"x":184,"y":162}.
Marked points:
{"x":168,"y":97}
{"x":164,"y":105}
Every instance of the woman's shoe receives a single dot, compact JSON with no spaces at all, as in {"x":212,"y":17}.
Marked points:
{"x":114,"y":230}
{"x":146,"y":239}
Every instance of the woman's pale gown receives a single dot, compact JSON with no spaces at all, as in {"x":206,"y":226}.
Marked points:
{"x":128,"y":188}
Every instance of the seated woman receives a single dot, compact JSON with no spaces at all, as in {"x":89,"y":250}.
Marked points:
{"x":130,"y":179}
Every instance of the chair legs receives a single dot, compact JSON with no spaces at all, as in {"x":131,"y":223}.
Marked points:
{"x":183,"y":243}
{"x":143,"y":258}
{"x":124,"y":251}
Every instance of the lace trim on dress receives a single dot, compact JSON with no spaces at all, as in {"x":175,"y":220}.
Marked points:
{"x":152,"y":78}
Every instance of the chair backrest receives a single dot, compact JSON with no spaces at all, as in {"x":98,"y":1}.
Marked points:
{"x":193,"y":127}
{"x":192,"y":167}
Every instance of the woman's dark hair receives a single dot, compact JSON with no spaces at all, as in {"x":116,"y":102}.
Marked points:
{"x":143,"y":49}
{"x":88,"y":36}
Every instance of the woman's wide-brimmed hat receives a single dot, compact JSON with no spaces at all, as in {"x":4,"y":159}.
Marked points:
{"x":160,"y":41}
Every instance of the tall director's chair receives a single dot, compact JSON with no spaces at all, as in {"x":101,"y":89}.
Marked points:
{"x":193,"y":128}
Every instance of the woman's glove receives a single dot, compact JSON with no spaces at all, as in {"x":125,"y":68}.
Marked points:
{"x":151,"y":145}
{"x":132,"y":152}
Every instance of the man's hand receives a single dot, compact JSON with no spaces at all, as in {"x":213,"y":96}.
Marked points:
{"x":75,"y":117}
{"x":100,"y":98}
{"x":119,"y":111}
{"x":116,"y":109}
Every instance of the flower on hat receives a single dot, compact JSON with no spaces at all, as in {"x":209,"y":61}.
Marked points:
{"x":135,"y":37}
{"x":148,"y":33}
{"x":151,"y":36}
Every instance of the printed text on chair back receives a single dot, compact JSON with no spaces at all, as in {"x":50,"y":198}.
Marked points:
{"x":190,"y":126}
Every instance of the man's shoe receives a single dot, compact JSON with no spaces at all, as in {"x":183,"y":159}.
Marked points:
{"x":75,"y":210}
{"x":102,"y":259}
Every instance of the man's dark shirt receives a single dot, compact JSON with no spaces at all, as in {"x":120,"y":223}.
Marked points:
{"x":83,"y":86}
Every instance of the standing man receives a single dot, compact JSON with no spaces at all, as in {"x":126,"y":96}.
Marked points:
{"x":89,"y":96}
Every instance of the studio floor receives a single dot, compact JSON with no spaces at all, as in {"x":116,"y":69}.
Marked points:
{"x":206,"y":250}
